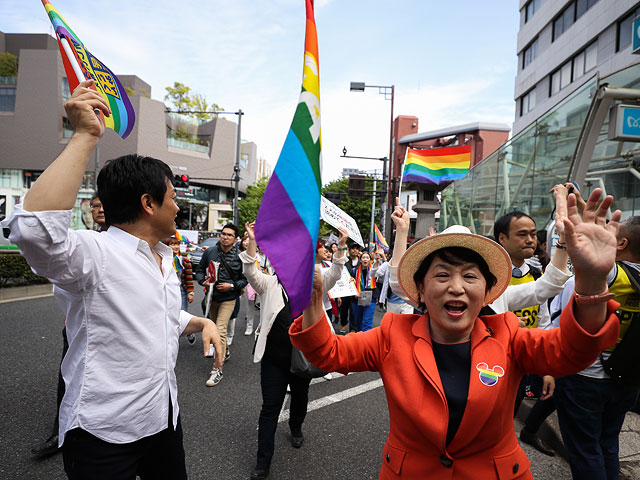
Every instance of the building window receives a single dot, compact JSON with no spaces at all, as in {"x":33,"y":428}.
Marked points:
{"x":66,"y":93}
{"x":591,"y":57}
{"x":7,"y":99}
{"x":530,"y":9}
{"x":573,"y":69}
{"x":67,"y":129}
{"x":623,"y":39}
{"x":529,"y":53}
{"x":572,"y":12}
{"x":528,"y":102}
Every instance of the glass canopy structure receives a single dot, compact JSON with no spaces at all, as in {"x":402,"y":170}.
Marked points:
{"x":519,"y":175}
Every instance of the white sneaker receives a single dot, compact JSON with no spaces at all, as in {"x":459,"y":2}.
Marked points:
{"x":214,"y":379}
{"x":248,"y":331}
{"x":328,"y":376}
{"x":229,"y":340}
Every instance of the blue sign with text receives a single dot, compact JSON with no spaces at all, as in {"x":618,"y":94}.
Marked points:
{"x":631,"y":122}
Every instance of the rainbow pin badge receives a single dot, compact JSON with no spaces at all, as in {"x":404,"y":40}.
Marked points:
{"x":489,"y":376}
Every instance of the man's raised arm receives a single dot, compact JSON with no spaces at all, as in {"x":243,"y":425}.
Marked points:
{"x":57,"y":187}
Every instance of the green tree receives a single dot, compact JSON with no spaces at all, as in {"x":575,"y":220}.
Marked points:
{"x":182,"y":98}
{"x":8,"y":65}
{"x":249,"y":205}
{"x":358,"y":208}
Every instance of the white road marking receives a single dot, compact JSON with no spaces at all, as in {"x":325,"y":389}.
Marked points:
{"x":335,"y":398}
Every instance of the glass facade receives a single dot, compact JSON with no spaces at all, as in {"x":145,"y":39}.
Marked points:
{"x":519,"y":175}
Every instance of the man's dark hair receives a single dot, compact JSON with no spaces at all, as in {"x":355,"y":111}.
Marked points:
{"x":630,"y":229}
{"x":93,"y":197}
{"x":354,"y":245}
{"x":235,"y":229}
{"x":454,"y":256}
{"x":122,"y":181}
{"x":504,"y":222}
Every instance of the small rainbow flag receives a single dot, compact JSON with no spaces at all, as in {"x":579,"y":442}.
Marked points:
{"x":79,"y":65}
{"x":436,"y":165}
{"x":181,"y":238}
{"x":290,"y":210}
{"x":379,"y":238}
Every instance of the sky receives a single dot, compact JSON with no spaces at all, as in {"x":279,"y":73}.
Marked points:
{"x":451,"y":63}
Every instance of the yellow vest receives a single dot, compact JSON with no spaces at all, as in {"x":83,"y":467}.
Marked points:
{"x":629,"y":301}
{"x":530,"y":313}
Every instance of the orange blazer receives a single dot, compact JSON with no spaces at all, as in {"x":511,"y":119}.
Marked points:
{"x":485,"y":445}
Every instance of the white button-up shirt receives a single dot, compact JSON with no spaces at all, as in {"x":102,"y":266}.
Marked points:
{"x":123,"y":322}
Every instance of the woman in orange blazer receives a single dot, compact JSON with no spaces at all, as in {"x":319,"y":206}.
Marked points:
{"x":450,"y":376}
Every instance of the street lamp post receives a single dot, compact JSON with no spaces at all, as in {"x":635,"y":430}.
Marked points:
{"x":388,"y":92}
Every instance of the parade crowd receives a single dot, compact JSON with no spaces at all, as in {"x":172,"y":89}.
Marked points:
{"x":473,"y":325}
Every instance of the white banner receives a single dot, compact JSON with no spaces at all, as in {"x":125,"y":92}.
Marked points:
{"x":191,"y":235}
{"x":338,"y":218}
{"x":344,"y":287}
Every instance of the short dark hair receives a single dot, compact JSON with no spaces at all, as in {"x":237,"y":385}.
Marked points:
{"x":504,"y":222}
{"x":93,"y":197}
{"x":235,"y":229}
{"x":455,"y":256}
{"x":354,"y":245}
{"x":123,"y":180}
{"x":630,"y":229}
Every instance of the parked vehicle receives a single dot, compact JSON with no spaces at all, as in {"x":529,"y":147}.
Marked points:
{"x":196,"y":254}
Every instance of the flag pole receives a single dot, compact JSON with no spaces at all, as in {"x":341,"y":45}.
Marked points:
{"x":72,"y":59}
{"x":404,"y":164}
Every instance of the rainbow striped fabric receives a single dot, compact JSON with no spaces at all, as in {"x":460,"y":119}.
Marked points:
{"x":364,"y":281}
{"x":289,"y":216}
{"x":180,"y":237}
{"x":379,"y":238}
{"x":107,"y":84}
{"x":436,"y":165}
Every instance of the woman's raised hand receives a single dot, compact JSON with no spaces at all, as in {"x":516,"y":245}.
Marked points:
{"x":591,"y":241}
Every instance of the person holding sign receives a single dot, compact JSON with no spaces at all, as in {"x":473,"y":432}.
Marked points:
{"x":449,"y":373}
{"x":364,"y":305}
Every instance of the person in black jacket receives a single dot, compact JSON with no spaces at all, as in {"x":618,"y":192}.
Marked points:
{"x":229,"y":281}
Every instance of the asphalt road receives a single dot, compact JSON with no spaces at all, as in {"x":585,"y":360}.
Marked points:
{"x":343,"y":439}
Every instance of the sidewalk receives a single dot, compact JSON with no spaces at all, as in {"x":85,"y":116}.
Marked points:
{"x":629,"y":440}
{"x":13,"y":294}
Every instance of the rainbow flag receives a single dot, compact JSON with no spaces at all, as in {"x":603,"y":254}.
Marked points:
{"x":436,"y":165}
{"x":180,"y":237}
{"x":379,"y":238}
{"x":106,"y":83}
{"x":289,"y":214}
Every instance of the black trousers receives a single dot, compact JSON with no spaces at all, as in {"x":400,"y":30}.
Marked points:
{"x":159,"y":456}
{"x":346,"y":314}
{"x":274,"y":380}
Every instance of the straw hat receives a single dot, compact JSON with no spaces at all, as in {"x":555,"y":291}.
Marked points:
{"x":496,"y":257}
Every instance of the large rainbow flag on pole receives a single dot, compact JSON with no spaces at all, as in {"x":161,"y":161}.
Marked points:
{"x":80,"y":65}
{"x":436,"y":165}
{"x":289,"y":216}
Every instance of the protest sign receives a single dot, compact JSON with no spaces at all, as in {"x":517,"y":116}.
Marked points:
{"x":344,"y":287}
{"x":338,"y":218}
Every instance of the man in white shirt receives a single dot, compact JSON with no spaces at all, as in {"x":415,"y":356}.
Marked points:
{"x":119,"y":416}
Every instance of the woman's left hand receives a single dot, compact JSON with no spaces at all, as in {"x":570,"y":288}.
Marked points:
{"x":591,"y":241}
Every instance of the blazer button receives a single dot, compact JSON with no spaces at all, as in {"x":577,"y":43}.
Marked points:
{"x":446,"y":461}
{"x":516,"y":467}
{"x":387,"y":457}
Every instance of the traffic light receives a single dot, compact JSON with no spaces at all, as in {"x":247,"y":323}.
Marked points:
{"x":181,"y":181}
{"x":356,"y":186}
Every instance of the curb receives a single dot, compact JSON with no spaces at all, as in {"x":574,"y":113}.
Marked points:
{"x":14,"y":294}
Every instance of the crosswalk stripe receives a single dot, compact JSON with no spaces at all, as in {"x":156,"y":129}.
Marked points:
{"x":335,"y":398}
